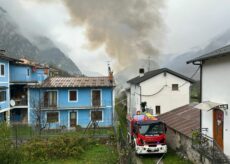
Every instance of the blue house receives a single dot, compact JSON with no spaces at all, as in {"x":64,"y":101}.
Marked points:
{"x":5,"y":86}
{"x":72,"y":101}
{"x":22,"y":74}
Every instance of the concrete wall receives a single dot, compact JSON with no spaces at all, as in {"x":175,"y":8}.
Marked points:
{"x":183,"y":144}
{"x":216,"y":88}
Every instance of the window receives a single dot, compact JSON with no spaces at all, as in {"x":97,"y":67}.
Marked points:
{"x":52,"y":117}
{"x":2,"y":67}
{"x":158,"y":110}
{"x":50,"y":99}
{"x":28,"y":72}
{"x":96,"y":97}
{"x":2,"y":96}
{"x":96,"y":115}
{"x":175,"y":87}
{"x":72,"y":95}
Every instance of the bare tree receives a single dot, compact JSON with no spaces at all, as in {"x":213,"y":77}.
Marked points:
{"x":38,"y":114}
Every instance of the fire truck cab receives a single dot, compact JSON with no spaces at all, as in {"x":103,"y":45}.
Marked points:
{"x":147,"y":134}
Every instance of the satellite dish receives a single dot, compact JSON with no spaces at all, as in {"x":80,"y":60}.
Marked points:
{"x":12,"y":103}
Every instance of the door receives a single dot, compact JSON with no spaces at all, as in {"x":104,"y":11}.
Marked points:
{"x":218,"y":122}
{"x":73,"y":119}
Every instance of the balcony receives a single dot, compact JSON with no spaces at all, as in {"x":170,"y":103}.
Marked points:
{"x":18,"y":95}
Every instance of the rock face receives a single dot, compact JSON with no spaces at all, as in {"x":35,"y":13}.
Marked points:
{"x":41,"y":49}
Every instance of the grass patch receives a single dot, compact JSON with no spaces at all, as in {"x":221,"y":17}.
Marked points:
{"x":170,"y":158}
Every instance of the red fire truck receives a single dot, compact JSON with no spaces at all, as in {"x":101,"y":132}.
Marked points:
{"x":147,"y":134}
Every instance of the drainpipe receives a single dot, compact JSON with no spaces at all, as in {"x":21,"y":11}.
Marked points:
{"x":201,"y":75}
{"x":140,"y":98}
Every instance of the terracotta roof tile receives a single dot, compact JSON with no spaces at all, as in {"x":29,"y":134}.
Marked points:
{"x":72,"y":82}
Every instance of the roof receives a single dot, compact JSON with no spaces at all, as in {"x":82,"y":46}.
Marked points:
{"x":224,"y":51}
{"x":4,"y":57}
{"x":153,"y":73}
{"x":183,"y":119}
{"x":73,"y":82}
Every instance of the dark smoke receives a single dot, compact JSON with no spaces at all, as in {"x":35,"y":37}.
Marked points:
{"x":128,"y":29}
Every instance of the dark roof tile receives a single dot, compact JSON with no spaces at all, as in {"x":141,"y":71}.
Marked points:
{"x":183,"y":119}
{"x":73,"y":82}
{"x":216,"y":53}
{"x":153,"y":73}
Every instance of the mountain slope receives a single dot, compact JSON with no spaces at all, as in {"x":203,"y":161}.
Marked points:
{"x":179,"y":62}
{"x":41,"y":49}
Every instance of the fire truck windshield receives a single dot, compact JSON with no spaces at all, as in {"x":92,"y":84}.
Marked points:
{"x":151,"y":129}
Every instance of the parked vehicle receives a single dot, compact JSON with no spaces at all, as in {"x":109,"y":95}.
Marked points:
{"x":147,"y":134}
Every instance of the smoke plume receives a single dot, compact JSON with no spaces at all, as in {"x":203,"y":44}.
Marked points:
{"x":128,"y":29}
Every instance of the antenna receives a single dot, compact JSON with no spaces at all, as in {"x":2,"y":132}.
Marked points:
{"x":149,"y":63}
{"x":108,"y":64}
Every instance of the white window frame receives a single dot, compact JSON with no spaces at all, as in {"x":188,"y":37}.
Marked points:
{"x":57,"y":96}
{"x":59,"y":117}
{"x":69,"y":117}
{"x":76,"y":95}
{"x":102,"y":112}
{"x":92,"y":95}
{"x":5,"y":96}
{"x":177,"y":87}
{"x":1,"y":69}
{"x":156,"y":109}
{"x":28,"y":71}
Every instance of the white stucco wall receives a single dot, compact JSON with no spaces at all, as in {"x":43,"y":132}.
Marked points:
{"x":216,"y":88}
{"x":134,"y":98}
{"x":166,"y":99}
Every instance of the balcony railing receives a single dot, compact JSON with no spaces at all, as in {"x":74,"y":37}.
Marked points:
{"x":20,"y":102}
{"x":208,"y":147}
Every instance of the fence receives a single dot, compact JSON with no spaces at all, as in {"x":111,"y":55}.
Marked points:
{"x":21,"y":133}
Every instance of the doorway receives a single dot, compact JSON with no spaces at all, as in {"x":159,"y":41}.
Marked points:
{"x":73,"y":119}
{"x":218,"y":126}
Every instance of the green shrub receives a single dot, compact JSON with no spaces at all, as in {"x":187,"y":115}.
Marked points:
{"x":62,"y":147}
{"x":8,"y":153}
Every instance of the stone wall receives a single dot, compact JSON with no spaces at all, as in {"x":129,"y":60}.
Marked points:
{"x":183,"y":145}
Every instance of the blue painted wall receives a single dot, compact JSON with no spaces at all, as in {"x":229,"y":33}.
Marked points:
{"x":20,"y":73}
{"x":4,"y":82}
{"x":64,"y":107}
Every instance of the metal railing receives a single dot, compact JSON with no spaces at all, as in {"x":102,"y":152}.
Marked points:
{"x":208,"y":147}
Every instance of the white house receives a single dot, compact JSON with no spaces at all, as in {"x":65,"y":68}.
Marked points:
{"x":162,"y":90}
{"x":215,"y":89}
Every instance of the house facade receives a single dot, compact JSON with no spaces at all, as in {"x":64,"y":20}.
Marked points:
{"x":162,"y":90}
{"x":215,"y":99}
{"x":23,"y":74}
{"x":5,"y":86}
{"x":71,"y":101}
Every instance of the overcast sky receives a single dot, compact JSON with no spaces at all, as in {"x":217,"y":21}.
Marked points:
{"x":188,"y":24}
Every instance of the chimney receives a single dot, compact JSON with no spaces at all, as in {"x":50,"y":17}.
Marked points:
{"x":141,"y":72}
{"x":2,"y":52}
{"x":110,"y":74}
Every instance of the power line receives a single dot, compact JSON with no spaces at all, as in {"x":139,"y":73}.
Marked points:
{"x":190,"y":77}
{"x":166,"y":86}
